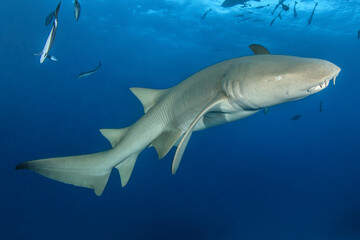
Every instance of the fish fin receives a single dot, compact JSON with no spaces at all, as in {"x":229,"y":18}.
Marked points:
{"x":258,"y":49}
{"x":52,"y":58}
{"x":166,"y":141}
{"x":57,"y":10}
{"x":114,"y":136}
{"x":148,"y":97}
{"x":126,"y":167}
{"x":185,"y":139}
{"x":90,"y":170}
{"x":37,"y":54}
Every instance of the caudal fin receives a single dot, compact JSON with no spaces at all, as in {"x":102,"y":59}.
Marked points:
{"x":90,"y":171}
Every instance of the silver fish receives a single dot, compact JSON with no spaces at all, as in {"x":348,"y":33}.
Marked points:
{"x":88,"y":73}
{"x":77,"y":9}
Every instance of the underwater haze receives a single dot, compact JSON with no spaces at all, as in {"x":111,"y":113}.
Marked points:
{"x":292,"y":173}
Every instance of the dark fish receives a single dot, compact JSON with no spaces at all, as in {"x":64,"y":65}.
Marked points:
{"x":245,"y":19}
{"x":262,"y":6}
{"x":204,"y":15}
{"x":285,"y":7}
{"x":272,"y":21}
{"x":88,"y":73}
{"x":258,"y":20}
{"x":275,"y":8}
{"x":49,"y":18}
{"x":358,"y":34}
{"x":295,"y":13}
{"x":243,"y":14}
{"x":296,"y":117}
{"x":312,"y":14}
{"x":278,"y":16}
{"x":231,"y":3}
{"x":77,"y":9}
{"x":320,"y":107}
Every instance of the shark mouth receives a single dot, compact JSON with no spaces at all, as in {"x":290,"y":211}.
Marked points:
{"x":322,"y":85}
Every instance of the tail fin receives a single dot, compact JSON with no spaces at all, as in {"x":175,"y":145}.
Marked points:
{"x":56,"y":13}
{"x":91,"y":170}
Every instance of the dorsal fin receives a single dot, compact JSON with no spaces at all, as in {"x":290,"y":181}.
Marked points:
{"x":147,"y":96}
{"x":113,"y":135}
{"x":258,"y":49}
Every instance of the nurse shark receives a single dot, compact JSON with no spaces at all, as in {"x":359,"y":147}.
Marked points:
{"x":221,"y":93}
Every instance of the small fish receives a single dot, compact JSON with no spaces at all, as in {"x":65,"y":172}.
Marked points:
{"x":272,"y":21}
{"x":245,"y":19}
{"x":285,"y":7}
{"x":276,"y":8}
{"x":278,"y":16}
{"x":88,"y":73}
{"x":231,"y":3}
{"x":49,"y":18}
{"x":259,"y":7}
{"x":320,"y":107}
{"x":204,"y":15}
{"x":246,"y":5}
{"x":50,"y":40}
{"x":258,"y":20}
{"x":77,"y":9}
{"x":243,"y":14}
{"x":312,"y":14}
{"x":359,"y":35}
{"x":296,"y":117}
{"x":295,"y":13}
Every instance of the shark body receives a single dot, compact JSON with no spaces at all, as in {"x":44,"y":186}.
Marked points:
{"x":221,"y":93}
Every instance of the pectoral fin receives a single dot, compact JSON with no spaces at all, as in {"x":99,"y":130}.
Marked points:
{"x":185,"y":139}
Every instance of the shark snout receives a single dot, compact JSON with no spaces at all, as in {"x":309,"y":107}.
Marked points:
{"x":331,"y":73}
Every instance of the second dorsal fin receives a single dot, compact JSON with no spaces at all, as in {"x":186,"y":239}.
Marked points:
{"x":147,"y":96}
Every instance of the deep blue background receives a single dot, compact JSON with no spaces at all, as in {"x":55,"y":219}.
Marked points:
{"x":264,"y":177}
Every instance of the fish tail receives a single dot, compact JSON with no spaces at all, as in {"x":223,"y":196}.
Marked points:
{"x":90,"y":170}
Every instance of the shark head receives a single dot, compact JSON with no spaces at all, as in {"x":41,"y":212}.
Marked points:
{"x":265,"y":80}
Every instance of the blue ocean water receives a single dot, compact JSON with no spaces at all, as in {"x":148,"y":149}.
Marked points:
{"x":263,"y":177}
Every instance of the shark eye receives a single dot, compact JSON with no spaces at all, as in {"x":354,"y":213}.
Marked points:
{"x":278,"y":78}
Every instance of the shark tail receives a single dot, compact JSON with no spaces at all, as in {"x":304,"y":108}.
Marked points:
{"x":90,"y":170}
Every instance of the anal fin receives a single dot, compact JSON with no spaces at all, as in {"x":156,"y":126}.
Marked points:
{"x":126,"y":167}
{"x":166,"y":141}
